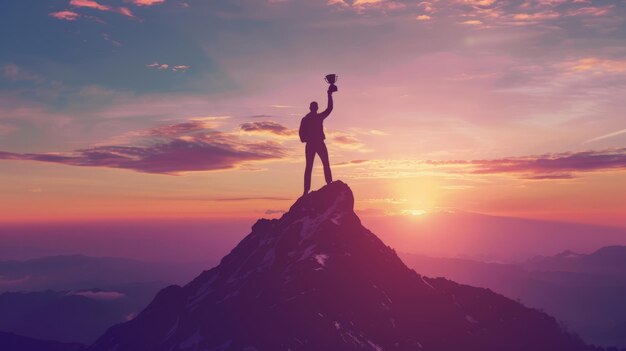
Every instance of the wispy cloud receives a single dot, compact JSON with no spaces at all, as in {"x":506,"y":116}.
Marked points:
{"x":173,"y":149}
{"x":65,"y":15}
{"x":596,"y":65}
{"x":182,"y":68}
{"x":167,"y":66}
{"x":606,"y":136}
{"x":347,"y":141}
{"x":147,"y":2}
{"x":556,"y":166}
{"x":561,"y":165}
{"x":15,"y":73}
{"x":91,"y":4}
{"x":265,"y":198}
{"x":351,"y":163}
{"x":107,"y":37}
{"x":267,"y":127}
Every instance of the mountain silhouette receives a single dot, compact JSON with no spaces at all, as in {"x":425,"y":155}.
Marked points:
{"x":70,"y":316}
{"x":609,"y":260}
{"x":585,"y":292}
{"x":316,"y":279}
{"x":13,"y":342}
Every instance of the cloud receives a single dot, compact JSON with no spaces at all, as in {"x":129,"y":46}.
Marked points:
{"x":366,"y":2}
{"x":264,"y":198}
{"x":107,"y":37}
{"x":12,"y":282}
{"x":178,"y":129}
{"x":550,"y":176}
{"x":65,"y":15}
{"x":472,"y":22}
{"x":157,"y":65}
{"x":173,"y":149}
{"x":549,"y":166}
{"x":147,"y":2}
{"x":166,"y":66}
{"x":347,"y":141}
{"x":267,"y":127}
{"x":89,"y":4}
{"x":557,"y":166}
{"x":97,"y":6}
{"x":351,"y":163}
{"x":606,"y":136}
{"x":15,"y":73}
{"x":182,"y":68}
{"x":341,"y":3}
{"x":590,"y":11}
{"x":98,"y":295}
{"x":596,"y":65}
{"x":125,"y":11}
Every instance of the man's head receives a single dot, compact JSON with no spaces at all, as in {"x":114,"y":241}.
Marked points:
{"x":313,"y":107}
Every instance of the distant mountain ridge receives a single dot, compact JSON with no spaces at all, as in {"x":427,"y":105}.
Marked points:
{"x":71,"y":316}
{"x":609,"y":260}
{"x":12,"y":342}
{"x":71,"y":272}
{"x":316,"y":279}
{"x":584,"y":291}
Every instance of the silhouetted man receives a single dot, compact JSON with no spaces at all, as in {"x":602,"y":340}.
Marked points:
{"x":312,"y":133}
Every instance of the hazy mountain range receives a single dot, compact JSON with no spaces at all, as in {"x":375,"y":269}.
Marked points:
{"x":585,"y":292}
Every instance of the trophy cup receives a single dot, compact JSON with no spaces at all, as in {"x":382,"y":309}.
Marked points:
{"x":331,"y":79}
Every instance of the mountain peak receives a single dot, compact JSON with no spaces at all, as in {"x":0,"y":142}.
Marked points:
{"x":316,"y":279}
{"x":336,"y":196}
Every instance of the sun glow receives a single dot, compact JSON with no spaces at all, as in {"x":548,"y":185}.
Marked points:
{"x":413,"y":212}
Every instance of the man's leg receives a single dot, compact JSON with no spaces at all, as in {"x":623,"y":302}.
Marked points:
{"x":323,"y":152}
{"x":309,"y":152}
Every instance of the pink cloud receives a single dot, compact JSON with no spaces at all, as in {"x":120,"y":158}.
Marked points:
{"x":537,"y":16}
{"x":267,"y":127}
{"x":147,"y":2}
{"x":157,"y":65}
{"x":346,"y":140}
{"x":351,"y":163}
{"x":65,"y":15}
{"x":181,"y":68}
{"x":90,"y":4}
{"x":95,"y":5}
{"x":171,"y":150}
{"x":596,"y":65}
{"x":590,"y":11}
{"x":549,"y":166}
{"x":124,"y":11}
{"x":178,"y":129}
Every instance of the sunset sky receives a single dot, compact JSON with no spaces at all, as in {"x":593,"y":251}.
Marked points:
{"x":115,"y":109}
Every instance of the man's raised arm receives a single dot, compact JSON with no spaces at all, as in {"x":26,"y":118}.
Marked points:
{"x":328,"y":109}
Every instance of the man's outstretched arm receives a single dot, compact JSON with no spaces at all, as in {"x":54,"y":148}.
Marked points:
{"x":329,"y":108}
